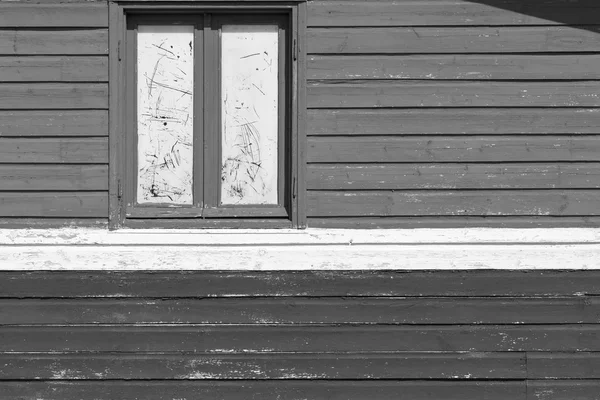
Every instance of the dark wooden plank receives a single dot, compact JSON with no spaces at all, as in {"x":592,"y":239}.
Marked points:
{"x":433,"y":203}
{"x":244,"y":390}
{"x":53,"y":177}
{"x":47,"y":223}
{"x":451,"y":12}
{"x":338,"y":149}
{"x":53,"y":123}
{"x":50,"y":42}
{"x":563,"y":365}
{"x":459,"y":66}
{"x":256,"y":366}
{"x":453,"y":176}
{"x":54,"y":69}
{"x":20,"y":15}
{"x":563,"y":390}
{"x":268,"y":339}
{"x":301,"y":311}
{"x":49,"y":204}
{"x":451,"y":40}
{"x":453,"y":121}
{"x":53,"y":95}
{"x":415,"y":94}
{"x":297,"y":283}
{"x":64,"y":150}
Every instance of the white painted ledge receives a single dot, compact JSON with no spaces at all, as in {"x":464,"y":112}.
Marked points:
{"x":317,"y":249}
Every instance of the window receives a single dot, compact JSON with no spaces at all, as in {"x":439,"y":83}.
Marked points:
{"x":205,"y":115}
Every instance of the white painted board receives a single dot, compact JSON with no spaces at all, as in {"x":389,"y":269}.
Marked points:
{"x":249,"y":110}
{"x":165,"y":115}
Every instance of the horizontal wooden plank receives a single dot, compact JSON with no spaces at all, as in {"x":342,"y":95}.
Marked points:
{"x":54,"y":15}
{"x":54,"y":69}
{"x":53,"y":123}
{"x":453,"y":121}
{"x":245,"y":390}
{"x":563,"y":365}
{"x":450,"y":40}
{"x":432,"y":203}
{"x":84,"y":284}
{"x":414,"y":94}
{"x":50,"y":42}
{"x":254,"y":366}
{"x":53,"y":95}
{"x":268,"y":339}
{"x":338,"y":149}
{"x":49,"y":204}
{"x":53,"y":177}
{"x":301,"y":311}
{"x":452,"y":176}
{"x":458,"y":66}
{"x":451,"y":12}
{"x":563,"y":390}
{"x":45,"y":150}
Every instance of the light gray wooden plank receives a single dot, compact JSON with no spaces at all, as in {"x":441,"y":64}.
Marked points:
{"x":18,"y":15}
{"x":53,"y":177}
{"x":54,"y":69}
{"x":63,"y":150}
{"x":54,"y":204}
{"x":53,"y":95}
{"x":53,"y":123}
{"x":54,"y":42}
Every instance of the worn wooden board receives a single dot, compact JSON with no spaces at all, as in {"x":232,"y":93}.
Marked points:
{"x":53,"y":95}
{"x":563,"y":390}
{"x":55,"y":150}
{"x":54,"y":69}
{"x":458,"y":66}
{"x":19,"y":15}
{"x":563,"y":365}
{"x":51,"y":42}
{"x":47,"y":223}
{"x":267,"y":339}
{"x":428,"y":93}
{"x":453,"y":121}
{"x":54,"y":204}
{"x":53,"y":177}
{"x":453,"y":176}
{"x":450,"y":40}
{"x":255,"y":366}
{"x":53,"y":123}
{"x":339,"y":149}
{"x":243,"y":390}
{"x":301,"y":311}
{"x":432,"y":203}
{"x":452,"y":12}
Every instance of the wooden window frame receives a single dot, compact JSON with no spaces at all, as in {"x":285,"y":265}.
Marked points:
{"x":123,"y":212}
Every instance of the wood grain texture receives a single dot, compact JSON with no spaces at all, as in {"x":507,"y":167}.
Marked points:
{"x":414,"y":94}
{"x":54,"y":69}
{"x":263,"y":367}
{"x":452,"y":12}
{"x":54,"y":204}
{"x":53,"y":95}
{"x":269,"y":339}
{"x":54,"y":42}
{"x":458,"y":66}
{"x":55,"y":150}
{"x":53,"y":123}
{"x":453,"y":121}
{"x":49,"y":223}
{"x":450,"y":40}
{"x":453,"y":149}
{"x":301,"y":311}
{"x":432,"y":203}
{"x":161,"y":390}
{"x":453,"y":176}
{"x":53,"y":177}
{"x":19,"y":15}
{"x":563,"y":365}
{"x":563,"y":390}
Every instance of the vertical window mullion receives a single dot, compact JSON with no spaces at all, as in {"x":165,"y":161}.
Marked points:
{"x":199,"y":117}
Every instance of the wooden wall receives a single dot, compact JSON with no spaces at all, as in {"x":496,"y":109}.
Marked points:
{"x":452,"y":111}
{"x":53,"y":112}
{"x":310,"y":335}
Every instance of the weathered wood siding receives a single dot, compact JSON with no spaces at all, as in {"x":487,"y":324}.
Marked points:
{"x":310,"y":335}
{"x":453,"y":111}
{"x":53,"y":112}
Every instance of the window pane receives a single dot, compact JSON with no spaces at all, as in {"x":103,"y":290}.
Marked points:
{"x":165,"y":73}
{"x":249,"y":80}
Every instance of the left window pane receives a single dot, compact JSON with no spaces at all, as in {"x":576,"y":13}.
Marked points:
{"x":165,"y":106}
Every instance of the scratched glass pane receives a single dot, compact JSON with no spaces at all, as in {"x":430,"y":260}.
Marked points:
{"x":249,"y":67}
{"x":165,"y":72}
